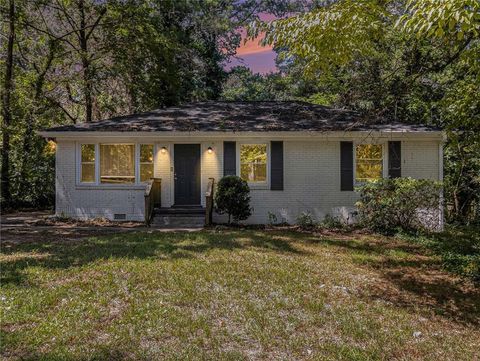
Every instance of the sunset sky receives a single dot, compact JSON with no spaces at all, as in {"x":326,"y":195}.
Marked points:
{"x":260,"y":59}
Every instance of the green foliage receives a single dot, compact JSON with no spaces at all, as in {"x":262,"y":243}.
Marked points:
{"x":459,"y":249}
{"x":457,"y":20}
{"x":233,"y":198}
{"x":391,"y":205}
{"x":272,"y":218}
{"x":306,"y":220}
{"x":462,"y":178}
{"x":333,"y":223}
{"x":328,"y":35}
{"x":242,"y":85}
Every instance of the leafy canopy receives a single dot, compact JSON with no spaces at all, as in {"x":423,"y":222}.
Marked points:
{"x":340,"y":32}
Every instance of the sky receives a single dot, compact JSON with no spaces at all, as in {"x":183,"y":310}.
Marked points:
{"x":260,"y":59}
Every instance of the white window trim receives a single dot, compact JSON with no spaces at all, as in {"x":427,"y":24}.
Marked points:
{"x":97,"y":184}
{"x":254,"y":185}
{"x":384,"y":160}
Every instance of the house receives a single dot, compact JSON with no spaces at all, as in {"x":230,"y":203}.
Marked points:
{"x":295,"y":156}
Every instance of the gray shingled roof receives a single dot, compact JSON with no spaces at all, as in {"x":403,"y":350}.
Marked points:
{"x":240,"y":117}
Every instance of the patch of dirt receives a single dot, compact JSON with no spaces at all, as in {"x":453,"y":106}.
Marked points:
{"x":52,"y":234}
{"x":46,"y":218}
{"x":43,"y":225}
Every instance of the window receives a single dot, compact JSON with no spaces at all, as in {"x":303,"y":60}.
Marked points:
{"x":87,"y":163}
{"x":117,"y":163}
{"x":253,"y":162}
{"x":369,"y":162}
{"x":146,"y":162}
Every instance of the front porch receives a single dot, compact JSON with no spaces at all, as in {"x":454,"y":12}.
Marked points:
{"x":177,"y":215}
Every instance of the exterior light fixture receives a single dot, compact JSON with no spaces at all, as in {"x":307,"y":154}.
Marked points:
{"x":164,"y":150}
{"x":209,"y":150}
{"x":51,"y":146}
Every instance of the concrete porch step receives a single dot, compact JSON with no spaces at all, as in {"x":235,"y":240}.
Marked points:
{"x":181,"y":210}
{"x":179,"y":217}
{"x":178,"y":221}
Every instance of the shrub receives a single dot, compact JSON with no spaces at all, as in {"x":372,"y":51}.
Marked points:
{"x":331,"y":222}
{"x":407,"y":204}
{"x":306,"y":221}
{"x":233,"y":198}
{"x":272,"y":218}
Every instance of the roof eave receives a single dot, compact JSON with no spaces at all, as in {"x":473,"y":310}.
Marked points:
{"x":226,"y":134}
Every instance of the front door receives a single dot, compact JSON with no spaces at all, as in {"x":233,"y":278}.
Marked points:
{"x":187,"y":174}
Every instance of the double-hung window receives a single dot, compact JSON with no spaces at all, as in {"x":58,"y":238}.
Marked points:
{"x":369,"y":162}
{"x":117,"y":163}
{"x":253,"y":163}
{"x":146,"y":162}
{"x":120,"y":163}
{"x":87,"y":163}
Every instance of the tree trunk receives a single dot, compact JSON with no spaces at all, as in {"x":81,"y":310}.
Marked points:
{"x":87,"y":79}
{"x":7,"y":111}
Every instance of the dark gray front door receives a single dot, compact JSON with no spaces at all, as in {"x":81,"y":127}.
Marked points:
{"x":187,"y":174}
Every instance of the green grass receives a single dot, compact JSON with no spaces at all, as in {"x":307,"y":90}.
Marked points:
{"x":234,"y":295}
{"x":459,"y":249}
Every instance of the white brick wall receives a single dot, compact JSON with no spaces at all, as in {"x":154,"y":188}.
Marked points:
{"x":420,"y":160}
{"x":311,"y":183}
{"x":90,"y":201}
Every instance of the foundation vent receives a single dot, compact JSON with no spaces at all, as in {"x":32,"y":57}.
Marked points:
{"x":119,"y":217}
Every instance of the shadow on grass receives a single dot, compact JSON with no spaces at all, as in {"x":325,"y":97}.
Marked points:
{"x":412,"y":274}
{"x":138,"y":245}
{"x":104,"y":352}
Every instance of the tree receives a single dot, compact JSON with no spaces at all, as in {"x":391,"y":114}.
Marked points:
{"x":233,"y":197}
{"x":76,"y":25}
{"x":7,"y":106}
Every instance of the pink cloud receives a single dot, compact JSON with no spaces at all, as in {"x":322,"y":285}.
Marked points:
{"x":252,"y":46}
{"x":260,"y":59}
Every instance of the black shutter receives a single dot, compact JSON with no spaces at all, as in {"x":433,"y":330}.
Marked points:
{"x":346,"y":166}
{"x":276,"y":166}
{"x":229,"y":158}
{"x":394,"y":159}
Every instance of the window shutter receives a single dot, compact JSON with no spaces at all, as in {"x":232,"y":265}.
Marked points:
{"x":394,"y":159}
{"x":229,"y":158}
{"x":276,"y":166}
{"x":346,"y":166}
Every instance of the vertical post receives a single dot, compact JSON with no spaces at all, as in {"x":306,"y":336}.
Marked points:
{"x":441,"y":215}
{"x":209,"y":202}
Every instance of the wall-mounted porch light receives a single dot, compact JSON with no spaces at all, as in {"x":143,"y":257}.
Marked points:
{"x":209,"y":150}
{"x":163,"y":150}
{"x":51,"y":146}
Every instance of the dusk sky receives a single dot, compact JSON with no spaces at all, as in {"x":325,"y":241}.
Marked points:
{"x":260,"y":59}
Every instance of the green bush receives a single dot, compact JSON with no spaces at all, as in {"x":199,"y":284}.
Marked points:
{"x":233,"y":198}
{"x":272,"y":218}
{"x":333,"y":223}
{"x":391,"y":205}
{"x":306,"y":220}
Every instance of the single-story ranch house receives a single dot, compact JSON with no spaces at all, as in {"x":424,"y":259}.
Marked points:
{"x":295,"y":156}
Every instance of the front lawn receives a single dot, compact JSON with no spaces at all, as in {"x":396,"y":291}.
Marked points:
{"x":234,"y":295}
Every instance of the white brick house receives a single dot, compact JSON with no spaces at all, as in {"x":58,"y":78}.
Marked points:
{"x":296,"y":157}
